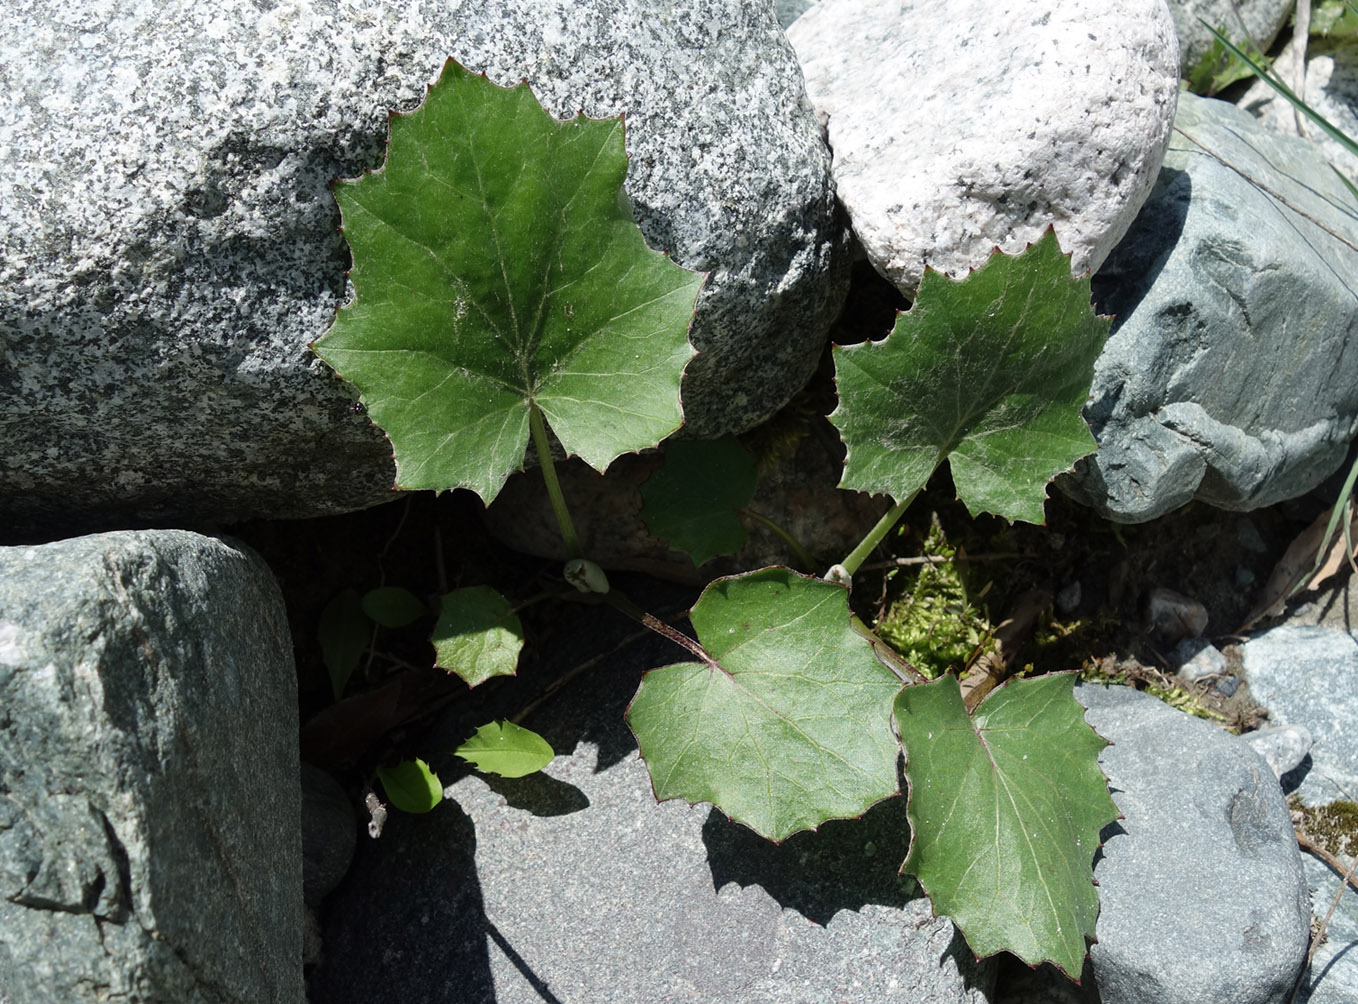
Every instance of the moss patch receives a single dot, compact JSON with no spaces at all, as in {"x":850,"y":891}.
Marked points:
{"x":1333,"y":826}
{"x":933,"y":622}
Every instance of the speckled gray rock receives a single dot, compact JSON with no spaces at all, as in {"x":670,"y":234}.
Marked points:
{"x":169,"y":245}
{"x":149,"y":805}
{"x":961,"y":126}
{"x":1331,"y":89}
{"x":1260,"y":20}
{"x":575,"y":885}
{"x":1307,"y":676}
{"x":1231,"y":375}
{"x":1283,"y":747}
{"x":1201,"y":890}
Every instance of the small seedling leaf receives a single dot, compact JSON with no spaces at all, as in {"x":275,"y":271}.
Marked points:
{"x":411,"y":786}
{"x":344,"y":633}
{"x":506,"y":749}
{"x":1005,"y":811}
{"x":789,"y":724}
{"x":477,"y":635}
{"x":496,"y":267}
{"x":393,"y":606}
{"x":989,"y":372}
{"x":692,"y":501}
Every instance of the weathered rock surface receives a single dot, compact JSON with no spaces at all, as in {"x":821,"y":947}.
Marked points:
{"x":169,"y":244}
{"x":1307,"y":676}
{"x":959,"y":126}
{"x":1231,"y":375}
{"x":1202,"y":895}
{"x":149,"y":845}
{"x":574,"y":885}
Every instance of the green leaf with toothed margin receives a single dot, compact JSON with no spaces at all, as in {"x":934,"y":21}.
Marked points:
{"x":789,"y":724}
{"x":1005,"y":812}
{"x":497,"y":267}
{"x":989,"y":373}
{"x":411,"y":786}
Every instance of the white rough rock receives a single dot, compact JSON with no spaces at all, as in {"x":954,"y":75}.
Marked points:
{"x":962,"y":125}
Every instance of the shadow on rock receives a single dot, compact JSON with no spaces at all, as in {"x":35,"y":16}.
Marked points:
{"x":377,"y":951}
{"x":845,"y":865}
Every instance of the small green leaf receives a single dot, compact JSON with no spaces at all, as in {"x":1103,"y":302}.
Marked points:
{"x":411,"y":786}
{"x":506,"y":749}
{"x":989,"y":372}
{"x":497,"y":266}
{"x":1334,"y":18}
{"x":392,"y":606}
{"x":692,"y":501}
{"x":789,"y":724}
{"x":344,"y":633}
{"x":1219,"y":67}
{"x":1005,"y":812}
{"x":477,"y":635}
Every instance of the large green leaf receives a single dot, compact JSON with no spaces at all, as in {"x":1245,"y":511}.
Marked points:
{"x":788,"y":725}
{"x":1005,"y":811}
{"x":989,"y":372}
{"x":693,"y":501}
{"x":497,"y":266}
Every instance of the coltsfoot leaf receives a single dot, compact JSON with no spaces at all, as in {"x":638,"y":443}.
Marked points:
{"x":393,"y":606}
{"x":691,"y":503}
{"x":496,"y":267}
{"x":345,"y":631}
{"x":989,"y":372}
{"x":411,"y":786}
{"x":506,"y":749}
{"x":477,"y":635}
{"x":1005,"y":810}
{"x":789,"y":724}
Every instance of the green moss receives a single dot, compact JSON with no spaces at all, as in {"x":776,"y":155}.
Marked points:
{"x":1176,"y":697}
{"x":933,"y":623}
{"x":1333,"y":826}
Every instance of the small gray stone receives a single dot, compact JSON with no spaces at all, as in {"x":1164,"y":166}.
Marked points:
{"x":1284,"y":747}
{"x":329,"y":832}
{"x":1308,"y":676}
{"x":1202,"y":894}
{"x":1230,"y":374}
{"x":1172,"y":616}
{"x":169,"y":243}
{"x":958,"y":126}
{"x":1197,"y":658}
{"x":149,"y":803}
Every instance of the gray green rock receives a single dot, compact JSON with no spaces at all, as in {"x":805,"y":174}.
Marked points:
{"x":149,"y":799}
{"x":1231,"y":375}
